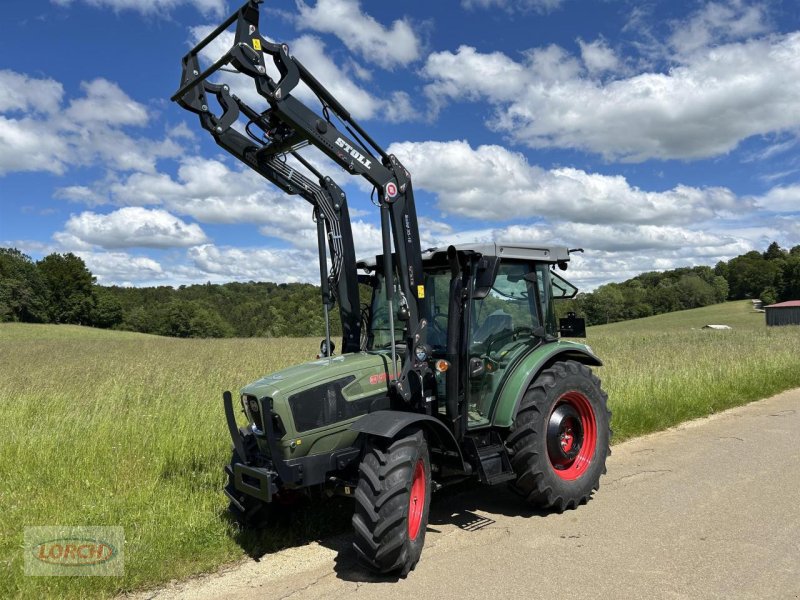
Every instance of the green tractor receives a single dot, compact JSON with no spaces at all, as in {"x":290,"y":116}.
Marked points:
{"x":456,"y":369}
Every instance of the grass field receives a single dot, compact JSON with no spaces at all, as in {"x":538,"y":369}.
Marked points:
{"x":109,"y":428}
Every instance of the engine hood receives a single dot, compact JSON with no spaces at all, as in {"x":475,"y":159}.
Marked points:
{"x":315,"y":372}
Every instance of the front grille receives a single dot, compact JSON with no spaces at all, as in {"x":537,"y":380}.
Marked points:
{"x":325,"y":404}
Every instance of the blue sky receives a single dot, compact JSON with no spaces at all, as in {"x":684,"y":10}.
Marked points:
{"x":653,"y":134}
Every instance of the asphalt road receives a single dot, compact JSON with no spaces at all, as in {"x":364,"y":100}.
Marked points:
{"x":706,"y":510}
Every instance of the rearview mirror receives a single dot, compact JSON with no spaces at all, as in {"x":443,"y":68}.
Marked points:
{"x":485,"y":274}
{"x":323,"y":349}
{"x":572,"y":326}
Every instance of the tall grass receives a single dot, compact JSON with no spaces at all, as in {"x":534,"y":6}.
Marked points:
{"x":103,"y":428}
{"x":666,"y":369}
{"x":108,"y":428}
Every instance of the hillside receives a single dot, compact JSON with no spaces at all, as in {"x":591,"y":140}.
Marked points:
{"x":105,"y":427}
{"x":737,"y":314}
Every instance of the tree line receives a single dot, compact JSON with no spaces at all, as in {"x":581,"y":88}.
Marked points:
{"x":771,"y":276}
{"x":60,"y":289}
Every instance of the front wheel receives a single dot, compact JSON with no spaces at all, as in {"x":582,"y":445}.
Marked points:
{"x":560,"y":437}
{"x":392,"y":502}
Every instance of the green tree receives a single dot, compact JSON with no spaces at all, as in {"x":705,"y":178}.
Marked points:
{"x":208,"y":324}
{"x":721,"y":289}
{"x":695,"y":292}
{"x":23,"y":292}
{"x":750,"y":273}
{"x":178,"y":319}
{"x":768,"y":296}
{"x":790,"y":278}
{"x":139,"y":319}
{"x":107,"y":310}
{"x":70,"y":284}
{"x":609,"y":303}
{"x":774,"y":252}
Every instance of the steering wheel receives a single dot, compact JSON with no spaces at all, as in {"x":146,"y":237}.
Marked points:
{"x":506,"y":333}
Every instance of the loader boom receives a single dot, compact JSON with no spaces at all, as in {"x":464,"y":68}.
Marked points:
{"x":286,"y":125}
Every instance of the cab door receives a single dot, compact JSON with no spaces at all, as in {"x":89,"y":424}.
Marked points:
{"x":504,"y":326}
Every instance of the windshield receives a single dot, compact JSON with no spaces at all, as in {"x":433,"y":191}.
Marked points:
{"x":380,"y":336}
{"x":435,"y":308}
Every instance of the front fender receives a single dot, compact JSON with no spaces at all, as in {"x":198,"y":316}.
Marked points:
{"x":514,"y":386}
{"x":388,"y":423}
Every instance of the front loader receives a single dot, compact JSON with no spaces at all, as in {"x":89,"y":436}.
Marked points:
{"x":456,"y":369}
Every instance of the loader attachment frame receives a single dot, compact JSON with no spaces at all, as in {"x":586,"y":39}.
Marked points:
{"x":287,"y":125}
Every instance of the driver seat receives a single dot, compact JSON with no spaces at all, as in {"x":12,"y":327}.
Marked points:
{"x":495,"y":323}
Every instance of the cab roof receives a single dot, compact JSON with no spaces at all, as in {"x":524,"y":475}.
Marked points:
{"x":519,"y":250}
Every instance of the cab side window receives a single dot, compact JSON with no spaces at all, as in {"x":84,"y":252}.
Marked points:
{"x":510,"y":304}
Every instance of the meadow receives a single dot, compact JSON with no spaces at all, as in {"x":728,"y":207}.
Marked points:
{"x":114,"y":428}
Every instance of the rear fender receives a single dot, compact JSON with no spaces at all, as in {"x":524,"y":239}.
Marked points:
{"x":514,"y":387}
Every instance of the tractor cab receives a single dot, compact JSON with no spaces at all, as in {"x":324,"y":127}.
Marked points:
{"x":504,"y":309}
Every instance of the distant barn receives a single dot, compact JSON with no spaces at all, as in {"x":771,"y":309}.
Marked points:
{"x":783,"y":313}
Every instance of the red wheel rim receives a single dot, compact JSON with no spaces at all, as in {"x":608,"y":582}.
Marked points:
{"x":567,"y":439}
{"x":416,"y":500}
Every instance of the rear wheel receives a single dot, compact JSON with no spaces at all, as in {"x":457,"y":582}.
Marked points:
{"x":392,"y":502}
{"x":560,"y":437}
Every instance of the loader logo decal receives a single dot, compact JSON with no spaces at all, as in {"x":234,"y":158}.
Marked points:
{"x":391,"y":189}
{"x":353,"y":152}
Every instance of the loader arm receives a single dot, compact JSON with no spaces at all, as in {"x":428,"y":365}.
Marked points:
{"x":327,"y":198}
{"x":286,"y":125}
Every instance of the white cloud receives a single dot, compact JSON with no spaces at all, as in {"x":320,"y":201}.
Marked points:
{"x":598,"y":57}
{"x":491,"y":182}
{"x":361,"y":33}
{"x":539,"y":6}
{"x":134,"y":227}
{"x":216,"y":8}
{"x":211,"y":192}
{"x":278,"y":265}
{"x":83,"y":194}
{"x":781,"y":199}
{"x":617,"y":238}
{"x":106,"y":103}
{"x":90,"y":130}
{"x":31,"y":145}
{"x":19,"y":92}
{"x":310,"y":50}
{"x":717,"y":22}
{"x":121,"y":268}
{"x":701,"y":108}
